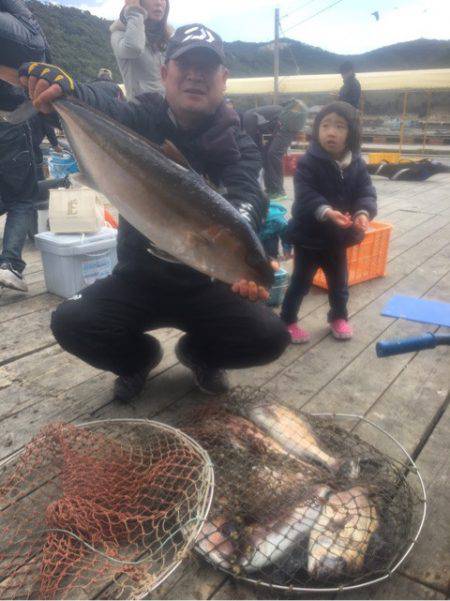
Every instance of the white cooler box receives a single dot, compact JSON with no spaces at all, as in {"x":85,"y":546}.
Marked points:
{"x":74,"y":261}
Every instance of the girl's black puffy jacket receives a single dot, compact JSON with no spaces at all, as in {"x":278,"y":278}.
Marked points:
{"x":320,"y":181}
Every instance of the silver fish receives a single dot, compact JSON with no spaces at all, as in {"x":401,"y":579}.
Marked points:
{"x":268,"y":545}
{"x":292,"y":432}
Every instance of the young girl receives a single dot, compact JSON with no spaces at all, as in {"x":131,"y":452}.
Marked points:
{"x":334,"y":202}
{"x":139,"y":39}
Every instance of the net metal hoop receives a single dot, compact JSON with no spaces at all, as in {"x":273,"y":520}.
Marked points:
{"x":209,"y":479}
{"x":203,"y":510}
{"x":412,"y":469}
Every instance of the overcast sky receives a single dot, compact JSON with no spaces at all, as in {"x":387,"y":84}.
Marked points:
{"x":348,"y":27}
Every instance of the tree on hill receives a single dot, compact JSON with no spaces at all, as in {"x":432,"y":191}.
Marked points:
{"x":79,"y":42}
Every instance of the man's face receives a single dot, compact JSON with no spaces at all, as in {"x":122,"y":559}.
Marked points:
{"x":195,"y":84}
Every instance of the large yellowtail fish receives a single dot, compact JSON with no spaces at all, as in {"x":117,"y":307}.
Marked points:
{"x":168,"y":202}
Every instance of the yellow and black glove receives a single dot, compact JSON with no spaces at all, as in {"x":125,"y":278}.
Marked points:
{"x":51,"y":73}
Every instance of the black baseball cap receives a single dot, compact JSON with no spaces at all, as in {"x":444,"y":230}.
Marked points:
{"x":193,"y":36}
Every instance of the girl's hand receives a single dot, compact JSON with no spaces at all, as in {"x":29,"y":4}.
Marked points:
{"x":341,"y":220}
{"x":361,"y":222}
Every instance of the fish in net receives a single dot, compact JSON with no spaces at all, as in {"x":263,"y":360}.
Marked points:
{"x":300,"y":501}
{"x":106,"y":510}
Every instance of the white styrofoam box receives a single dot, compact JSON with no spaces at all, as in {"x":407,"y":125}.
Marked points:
{"x":42,"y":220}
{"x":72,"y":262}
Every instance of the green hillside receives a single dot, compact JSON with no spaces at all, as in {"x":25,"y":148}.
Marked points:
{"x":80,"y":43}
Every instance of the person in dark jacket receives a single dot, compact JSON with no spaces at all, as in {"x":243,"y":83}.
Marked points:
{"x":41,"y":128}
{"x":21,"y":37}
{"x":105,"y":324}
{"x":334,"y":202}
{"x":280,"y":124}
{"x":18,"y":191}
{"x":351,"y":90}
{"x":105,"y":82}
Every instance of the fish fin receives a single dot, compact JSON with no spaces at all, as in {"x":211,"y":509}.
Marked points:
{"x":171,"y":152}
{"x":81,"y":180}
{"x":25,"y":111}
{"x":161,"y":254}
{"x":212,"y":185}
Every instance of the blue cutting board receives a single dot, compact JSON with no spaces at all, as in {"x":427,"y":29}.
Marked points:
{"x":418,"y":309}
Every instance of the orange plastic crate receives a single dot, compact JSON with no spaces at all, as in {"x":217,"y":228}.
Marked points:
{"x":384,"y":157}
{"x":367,"y":260}
{"x":290,"y":162}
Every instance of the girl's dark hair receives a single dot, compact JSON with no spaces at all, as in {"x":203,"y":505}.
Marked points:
{"x":347,"y":112}
{"x":159,"y":32}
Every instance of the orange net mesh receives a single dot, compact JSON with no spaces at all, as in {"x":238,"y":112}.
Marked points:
{"x":101,"y":511}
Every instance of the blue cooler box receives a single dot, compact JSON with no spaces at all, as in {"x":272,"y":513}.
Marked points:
{"x":279,"y":288}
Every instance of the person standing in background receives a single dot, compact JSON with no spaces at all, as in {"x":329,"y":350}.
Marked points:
{"x":139,"y":38}
{"x":351,"y":90}
{"x":21,"y":39}
{"x":40,"y":129}
{"x":281,"y":124}
{"x":106,"y":83}
{"x":18,"y":191}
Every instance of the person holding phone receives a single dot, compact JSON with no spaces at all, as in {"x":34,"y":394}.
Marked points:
{"x":139,"y":39}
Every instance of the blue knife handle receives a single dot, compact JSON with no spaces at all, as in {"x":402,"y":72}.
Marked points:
{"x":387,"y":348}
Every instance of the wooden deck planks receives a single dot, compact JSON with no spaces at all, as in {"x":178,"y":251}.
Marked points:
{"x":47,"y":384}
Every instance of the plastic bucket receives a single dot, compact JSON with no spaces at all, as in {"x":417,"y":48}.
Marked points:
{"x":60,"y":165}
{"x":279,"y":288}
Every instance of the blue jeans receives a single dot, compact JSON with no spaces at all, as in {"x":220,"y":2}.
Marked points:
{"x":18,"y":189}
{"x":19,"y":215}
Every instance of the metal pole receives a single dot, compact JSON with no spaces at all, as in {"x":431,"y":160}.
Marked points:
{"x":427,"y":118}
{"x":276,"y":58}
{"x":402,"y":126}
{"x":362,"y":105}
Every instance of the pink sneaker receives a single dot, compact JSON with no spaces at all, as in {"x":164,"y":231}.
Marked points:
{"x":341,"y":329}
{"x":298,"y":335}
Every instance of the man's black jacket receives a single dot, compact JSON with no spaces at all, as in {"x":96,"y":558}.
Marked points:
{"x":218,"y":149}
{"x":351,"y":91}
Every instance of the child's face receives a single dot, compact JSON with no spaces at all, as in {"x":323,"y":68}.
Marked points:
{"x":333,"y":134}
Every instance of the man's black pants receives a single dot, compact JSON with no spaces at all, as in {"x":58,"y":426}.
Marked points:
{"x":306,"y":263}
{"x":104,"y":325}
